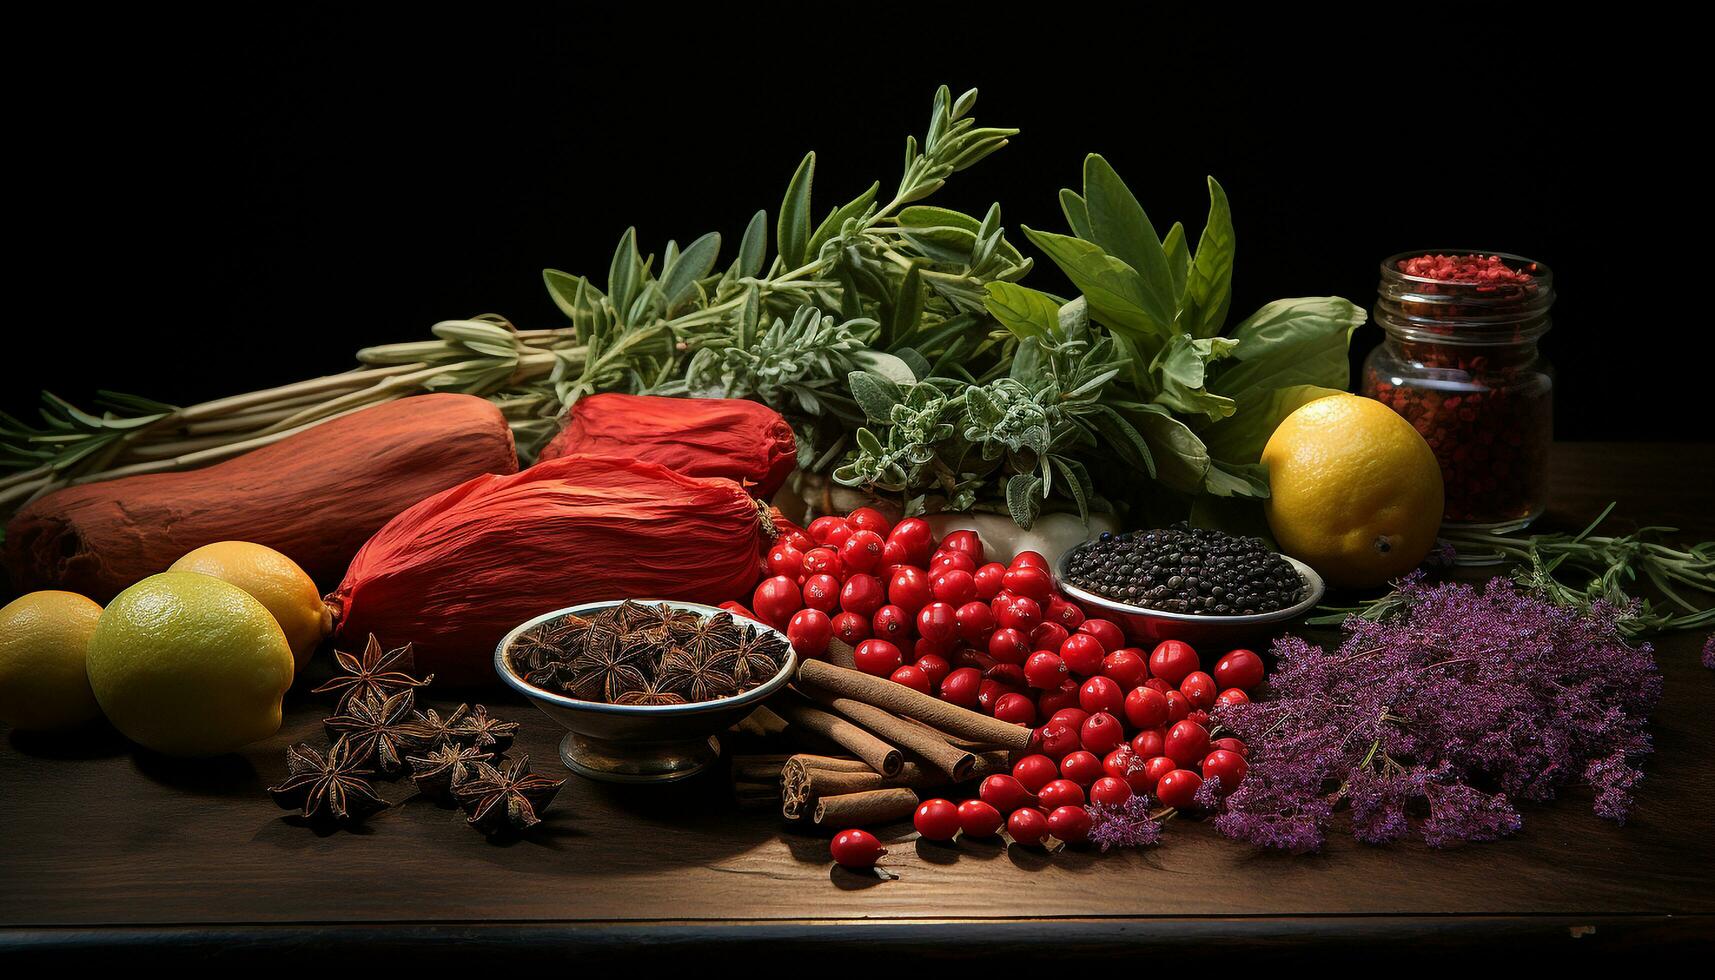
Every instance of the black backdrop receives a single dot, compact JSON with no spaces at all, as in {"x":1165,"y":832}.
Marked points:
{"x":212,"y":207}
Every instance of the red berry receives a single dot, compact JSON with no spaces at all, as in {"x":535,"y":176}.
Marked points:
{"x":936,"y":623}
{"x":1240,"y":668}
{"x":1149,"y":743}
{"x":894,"y":624}
{"x":935,"y":668}
{"x":988,"y":580}
{"x":1232,"y":695}
{"x":892,"y":556}
{"x":915,"y":536}
{"x":869,"y":519}
{"x":1006,"y":645}
{"x":1127,"y":667}
{"x":1110,"y":791}
{"x":1155,"y":768}
{"x":1178,"y":789}
{"x":776,"y":599}
{"x":1057,"y":739}
{"x":1199,"y":688}
{"x":1048,"y":636}
{"x":1061,"y":792}
{"x":822,"y":592}
{"x":1172,"y":660}
{"x":952,"y":561}
{"x":1026,"y":581}
{"x":909,"y":589}
{"x":937,"y":819}
{"x":1030,"y":559}
{"x":1005,"y":793}
{"x":1045,"y":670}
{"x":1070,"y":824}
{"x":968,"y":542}
{"x":1015,"y":708}
{"x":1186,"y":743}
{"x":1012,"y":675}
{"x":829,"y":530}
{"x":929,"y":648}
{"x":1178,"y":706}
{"x":863,"y":551}
{"x":955,"y":587}
{"x":1228,"y":767}
{"x":783,"y":559}
{"x":1065,"y":696}
{"x":1101,"y":733}
{"x":809,"y":632}
{"x":856,"y":849}
{"x":913,"y":677}
{"x":1101,"y":694}
{"x":1020,"y":613}
{"x":1081,"y":767}
{"x":877,"y":657}
{"x":797,"y":539}
{"x":1123,"y":763}
{"x":1062,"y":613}
{"x":1109,"y":633}
{"x":1071,"y":716}
{"x":1232,"y":745}
{"x":962,"y":686}
{"x":1027,"y":826}
{"x":1199,"y":716}
{"x":1034,"y":772}
{"x":1158,"y":685}
{"x":979,"y":819}
{"x":851,"y":628}
{"x":825,"y":561}
{"x":989,"y":693}
{"x":1083,"y":654}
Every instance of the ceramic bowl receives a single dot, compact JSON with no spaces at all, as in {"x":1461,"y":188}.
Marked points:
{"x":640,"y":743}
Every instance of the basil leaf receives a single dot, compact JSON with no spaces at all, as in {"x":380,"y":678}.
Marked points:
{"x":1024,"y":311}
{"x":1236,"y":479}
{"x":1178,"y":260}
{"x":793,"y":228}
{"x":1180,"y":458}
{"x":1287,"y":322}
{"x":1292,"y":342}
{"x":1114,"y":290}
{"x":1259,"y":412}
{"x":1209,"y":289}
{"x":1077,"y":213}
{"x":1123,"y":231}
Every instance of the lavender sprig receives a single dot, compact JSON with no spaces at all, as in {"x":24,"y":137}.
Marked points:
{"x":1438,"y":721}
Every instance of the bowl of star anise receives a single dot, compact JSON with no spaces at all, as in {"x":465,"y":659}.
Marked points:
{"x":642,"y":687}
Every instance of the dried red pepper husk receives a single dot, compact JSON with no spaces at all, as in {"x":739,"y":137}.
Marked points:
{"x":454,"y":573}
{"x":725,"y":437}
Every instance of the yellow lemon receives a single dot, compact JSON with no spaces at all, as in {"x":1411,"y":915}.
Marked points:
{"x":273,"y":580}
{"x":1355,"y":492}
{"x":187,"y":664}
{"x":44,"y":638}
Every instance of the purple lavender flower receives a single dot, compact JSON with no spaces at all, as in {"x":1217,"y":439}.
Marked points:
{"x":1435,"y":721}
{"x":1127,"y":825}
{"x":1709,"y":652}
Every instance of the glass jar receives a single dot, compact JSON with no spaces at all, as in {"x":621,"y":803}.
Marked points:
{"x":1460,"y":363}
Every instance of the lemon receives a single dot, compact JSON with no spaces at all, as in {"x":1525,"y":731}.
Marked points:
{"x":1355,"y":492}
{"x":44,"y":638}
{"x":187,"y":664}
{"x":273,"y":580}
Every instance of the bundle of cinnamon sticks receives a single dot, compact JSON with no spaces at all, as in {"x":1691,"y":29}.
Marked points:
{"x":900,"y":742}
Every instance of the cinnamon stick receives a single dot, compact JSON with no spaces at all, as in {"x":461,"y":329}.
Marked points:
{"x":926,"y":742}
{"x":865,"y":809}
{"x":810,"y":781}
{"x":842,"y":654}
{"x":880,"y":756}
{"x":901,"y":700}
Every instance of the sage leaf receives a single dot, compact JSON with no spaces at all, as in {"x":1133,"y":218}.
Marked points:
{"x":1123,"y":230}
{"x":1022,"y":500}
{"x":1178,"y":259}
{"x":1077,"y":213}
{"x":563,"y":290}
{"x":1027,"y":312}
{"x":875,"y":394}
{"x":1181,"y":460}
{"x":679,"y":277}
{"x":624,"y":273}
{"x":1114,"y":290}
{"x":793,"y":228}
{"x":837,"y":218}
{"x":753,"y":248}
{"x":1209,"y":290}
{"x":901,"y":321}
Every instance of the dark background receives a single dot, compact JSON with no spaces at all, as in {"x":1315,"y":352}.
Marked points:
{"x":212,"y":207}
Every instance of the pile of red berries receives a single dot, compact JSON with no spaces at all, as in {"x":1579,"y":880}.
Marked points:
{"x":1115,"y":721}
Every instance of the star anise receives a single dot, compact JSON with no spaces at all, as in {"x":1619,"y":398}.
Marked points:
{"x":327,"y":787}
{"x":375,"y":674}
{"x":606,"y":668}
{"x":385,"y":729}
{"x":753,"y":659}
{"x":695,"y":675}
{"x":509,"y":799}
{"x":649,"y":694}
{"x":438,"y":730}
{"x":482,"y":730}
{"x":444,"y":769}
{"x":631,"y":614}
{"x":714,"y":633}
{"x":545,"y":643}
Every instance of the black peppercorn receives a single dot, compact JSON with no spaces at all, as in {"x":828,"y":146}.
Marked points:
{"x":1180,"y":569}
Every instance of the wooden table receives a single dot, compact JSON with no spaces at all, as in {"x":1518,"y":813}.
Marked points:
{"x":105,"y":849}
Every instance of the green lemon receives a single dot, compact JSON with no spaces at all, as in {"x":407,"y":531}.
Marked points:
{"x":44,"y":637}
{"x":186,"y":664}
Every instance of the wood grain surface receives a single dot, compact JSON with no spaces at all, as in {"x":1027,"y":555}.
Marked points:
{"x":98,"y":839}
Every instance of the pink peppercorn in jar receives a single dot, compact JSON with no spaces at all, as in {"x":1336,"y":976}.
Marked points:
{"x":1460,"y":363}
